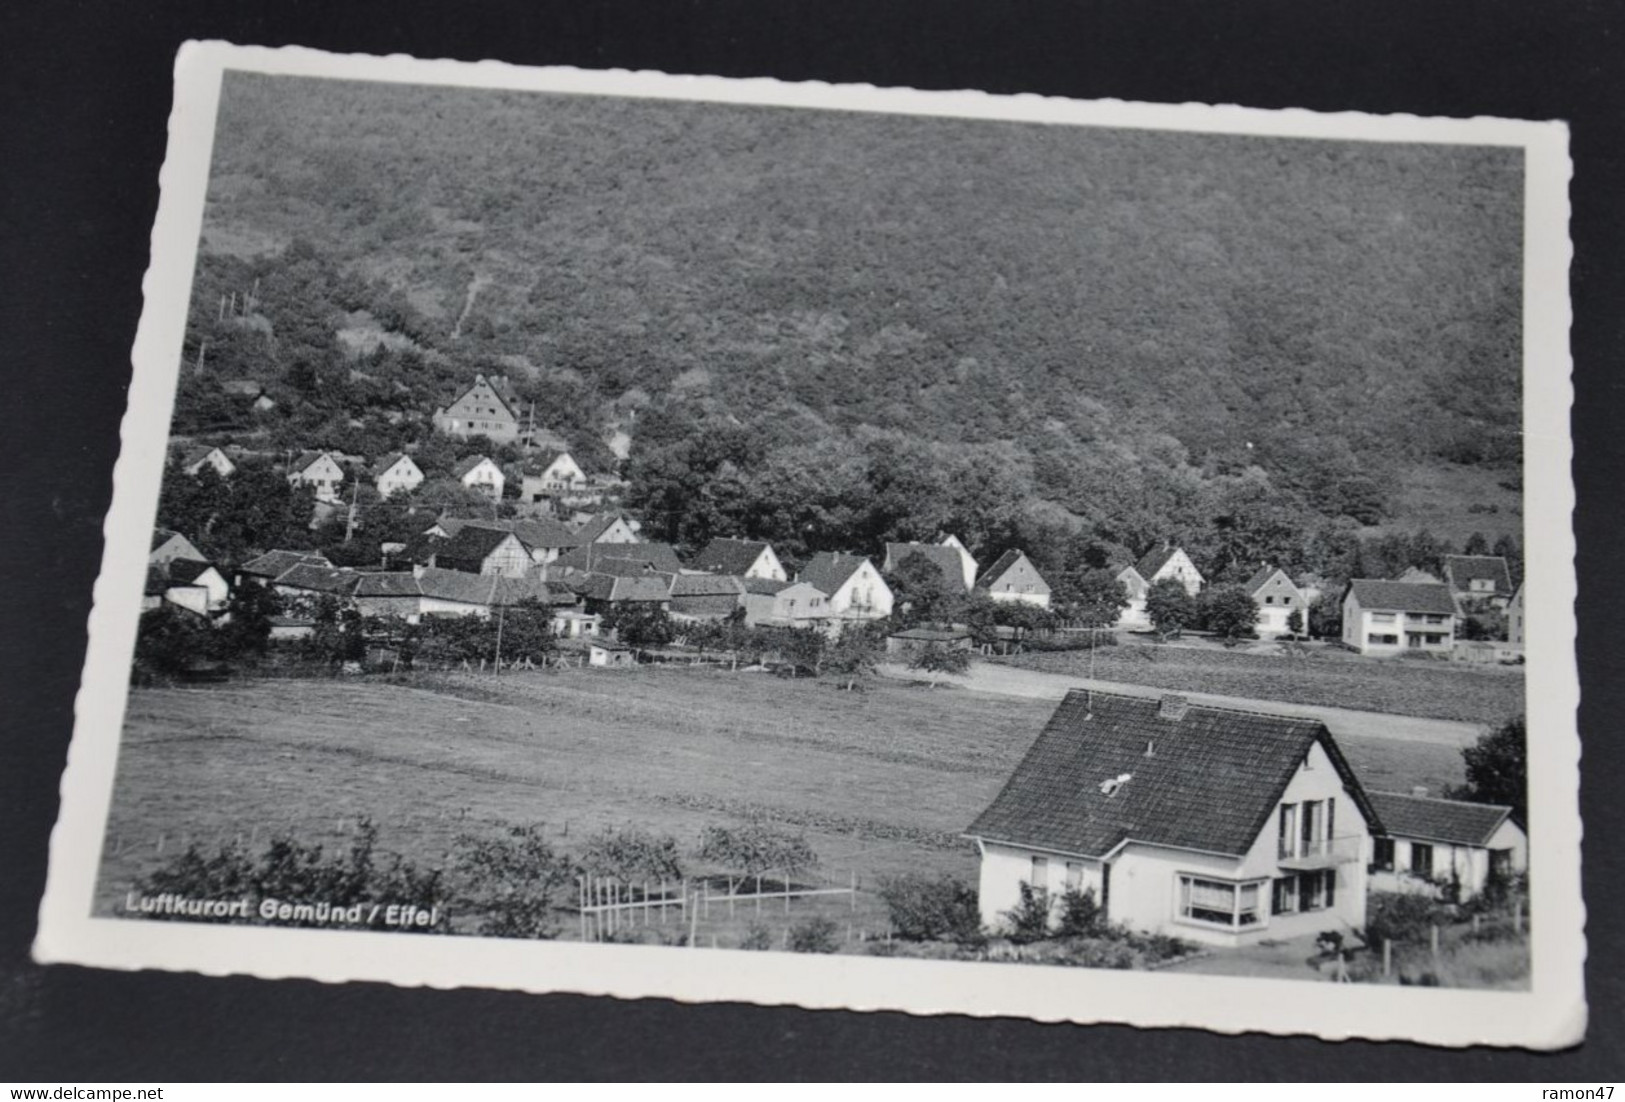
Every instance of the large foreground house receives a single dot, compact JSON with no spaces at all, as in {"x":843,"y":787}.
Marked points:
{"x":1013,"y":577}
{"x":1385,"y":618}
{"x":1447,"y":846}
{"x":855,"y":589}
{"x":1276,"y":598}
{"x":486,"y":407}
{"x":1212,"y":824}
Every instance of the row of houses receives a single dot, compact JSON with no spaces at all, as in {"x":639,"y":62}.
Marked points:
{"x":1220,"y":825}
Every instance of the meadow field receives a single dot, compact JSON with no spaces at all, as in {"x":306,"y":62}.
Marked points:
{"x":881,"y":782}
{"x":1322,"y":675}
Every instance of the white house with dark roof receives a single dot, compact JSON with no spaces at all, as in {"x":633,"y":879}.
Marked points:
{"x":196,"y":459}
{"x":168,"y":546}
{"x":855,"y":589}
{"x":785,"y":604}
{"x":1013,"y":577}
{"x":1434,"y":845}
{"x":607,"y":528}
{"x":551,"y":473}
{"x":1478,"y":580}
{"x":396,"y":473}
{"x":705,"y":596}
{"x":486,"y":407}
{"x":1170,"y":562}
{"x":1277,"y":598}
{"x":273,"y":564}
{"x":481,"y":474}
{"x":1386,"y":618}
{"x":321,"y":471}
{"x":1133,"y":614}
{"x":745,"y":558}
{"x":1212,"y":824}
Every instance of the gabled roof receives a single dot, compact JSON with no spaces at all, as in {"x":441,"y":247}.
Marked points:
{"x":471,"y":543}
{"x":1003,"y":565}
{"x":590,"y":557}
{"x":320,"y":579}
{"x":161,"y":536}
{"x":705,"y":604}
{"x":607,"y":587}
{"x":1153,"y":561}
{"x":392,"y":583}
{"x":468,"y":463}
{"x":157,"y":583}
{"x":499,"y":386}
{"x":625,"y":567}
{"x":306,"y":458}
{"x":187,"y":571}
{"x":1210,"y":782}
{"x":274,"y":563}
{"x":1261,"y":578}
{"x":491,"y":590}
{"x":729,"y":556}
{"x":1431,"y":819}
{"x":591,"y":530}
{"x":1463,"y":570}
{"x":1381,"y":596}
{"x":698,"y":585}
{"x":940,"y":555}
{"x":767,"y":586}
{"x":388,"y":460}
{"x":198,"y":454}
{"x":543,"y":532}
{"x":828,"y":571}
{"x":540,"y":461}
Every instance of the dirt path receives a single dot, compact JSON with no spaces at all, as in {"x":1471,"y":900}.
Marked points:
{"x":1010,"y":681}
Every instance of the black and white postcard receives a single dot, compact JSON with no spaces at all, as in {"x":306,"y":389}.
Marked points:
{"x":799,"y":544}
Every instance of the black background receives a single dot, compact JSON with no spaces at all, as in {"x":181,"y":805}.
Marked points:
{"x":84,"y":98}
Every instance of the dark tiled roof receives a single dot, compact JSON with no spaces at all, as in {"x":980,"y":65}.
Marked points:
{"x":596,"y":527}
{"x":709,"y":604}
{"x":466,"y":464}
{"x":706,"y":585}
{"x":161,"y":536}
{"x":458,"y":585}
{"x":274,"y":563}
{"x":195,"y":455}
{"x":933,"y":634}
{"x":1000,"y":565}
{"x":186,"y":571}
{"x":543,"y":532}
{"x":1402,"y":596}
{"x":320,"y":579}
{"x":591,"y":557}
{"x":157,"y":583}
{"x":1153,"y":561}
{"x":827,"y":571}
{"x":306,"y":458}
{"x":1211,"y":782}
{"x":622,"y":567}
{"x":1462,"y":570}
{"x":729,"y":556}
{"x":472,"y":543}
{"x":944,"y":558}
{"x":390,"y":584}
{"x":1434,"y":820}
{"x":607,"y":587}
{"x":766,"y":586}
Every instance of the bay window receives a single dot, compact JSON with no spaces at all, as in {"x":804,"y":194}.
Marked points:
{"x":1223,"y":903}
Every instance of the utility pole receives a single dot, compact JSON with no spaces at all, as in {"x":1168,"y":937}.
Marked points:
{"x":349,"y":527}
{"x":497,"y":663}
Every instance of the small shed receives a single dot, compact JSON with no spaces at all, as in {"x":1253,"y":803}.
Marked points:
{"x":951,"y":637}
{"x":609,"y":654}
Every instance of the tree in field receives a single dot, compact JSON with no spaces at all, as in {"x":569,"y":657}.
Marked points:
{"x":526,"y":633}
{"x":1171,"y":609}
{"x":247,"y":628}
{"x":1228,"y":612}
{"x":854,"y":654}
{"x":924,"y":593}
{"x":1090,"y":597}
{"x":1326,"y":615}
{"x":937,"y":660}
{"x":1507,"y":548}
{"x":756,"y":848}
{"x":169,"y":639}
{"x":639,"y":624}
{"x":1477,"y":544}
{"x":1294,"y":622}
{"x":1498,"y":769}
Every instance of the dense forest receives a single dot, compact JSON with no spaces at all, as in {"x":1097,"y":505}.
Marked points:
{"x":826,"y":327}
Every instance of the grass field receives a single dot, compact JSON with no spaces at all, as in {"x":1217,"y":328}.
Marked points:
{"x":881,"y":782}
{"x":1329,"y":677}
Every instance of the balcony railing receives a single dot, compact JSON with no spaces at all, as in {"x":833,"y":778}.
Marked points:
{"x":1318,"y":853}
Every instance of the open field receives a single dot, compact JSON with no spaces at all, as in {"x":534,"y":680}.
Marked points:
{"x":881,"y":781}
{"x":1326,"y":676}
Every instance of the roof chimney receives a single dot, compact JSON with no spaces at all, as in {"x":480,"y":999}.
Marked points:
{"x":1173,"y":707}
{"x":1150,"y":748}
{"x":1419,"y":790}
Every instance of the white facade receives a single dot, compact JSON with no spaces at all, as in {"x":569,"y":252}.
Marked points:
{"x":1389,"y":631}
{"x":204,"y":594}
{"x":215,"y":458}
{"x":485,"y":477}
{"x":1424,"y":866}
{"x":768,"y":566}
{"x":863,"y":596}
{"x":400,"y":477}
{"x":1134,"y":614}
{"x":1277,"y":599}
{"x":324,"y":475}
{"x":1305,"y":872}
{"x":1180,"y":568}
{"x":562,"y":475}
{"x":799,"y":604}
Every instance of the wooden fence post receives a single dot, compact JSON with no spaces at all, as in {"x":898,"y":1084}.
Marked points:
{"x":1387,"y":956}
{"x":694,"y":922}
{"x":758,"y":891}
{"x":786,"y":891}
{"x":853,"y":896}
{"x":1433,"y":936}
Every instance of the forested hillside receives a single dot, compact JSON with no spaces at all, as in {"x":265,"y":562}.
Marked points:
{"x":1238,"y":343}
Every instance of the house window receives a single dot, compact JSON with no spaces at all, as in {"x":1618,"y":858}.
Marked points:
{"x":1289,"y":830}
{"x":1382,"y":854}
{"x":1284,"y":896}
{"x":1422,"y":860}
{"x":1269,"y":600}
{"x":1040,"y":872}
{"x":1219,"y":902}
{"x":1074,"y":876}
{"x":1382,"y":640}
{"x":1382,"y":617}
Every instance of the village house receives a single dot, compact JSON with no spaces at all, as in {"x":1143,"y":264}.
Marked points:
{"x":1133,"y":614}
{"x":1170,"y":562}
{"x":1515,"y":619}
{"x":477,"y":550}
{"x":545,"y":538}
{"x":187,"y":583}
{"x":1277,"y":599}
{"x":575,"y":623}
{"x":551,"y":474}
{"x":481,"y":474}
{"x":168,"y":546}
{"x":1478,"y":581}
{"x":196,"y":459}
{"x":909,"y":642}
{"x":1385,"y":618}
{"x":1211,"y":824}
{"x":785,"y":604}
{"x":435,"y":591}
{"x":1013,"y":577}
{"x":610,"y":655}
{"x":945,"y":558}
{"x":487,"y":407}
{"x":590,"y":558}
{"x":396,"y":473}
{"x":745,"y":558}
{"x":705,"y":596}
{"x":967,"y":561}
{"x":601,"y":592}
{"x":1437,"y":846}
{"x":273,"y":564}
{"x":855,"y":588}
{"x":321,"y":471}
{"x":607,"y":528}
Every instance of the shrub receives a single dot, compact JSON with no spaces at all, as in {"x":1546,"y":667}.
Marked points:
{"x":513,"y":882}
{"x":1080,"y":914}
{"x":632,"y":854}
{"x":756,"y":848}
{"x":757,"y":938}
{"x":925,"y":908}
{"x":1401,"y":916}
{"x":1028,"y":920}
{"x":816,"y":935}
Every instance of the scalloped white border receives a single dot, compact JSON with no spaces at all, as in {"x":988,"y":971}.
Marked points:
{"x":1551,"y":1015}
